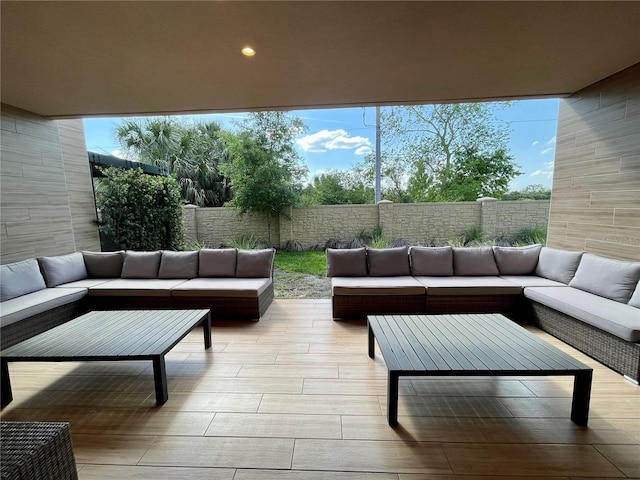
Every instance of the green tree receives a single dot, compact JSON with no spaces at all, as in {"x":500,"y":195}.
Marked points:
{"x":191,"y":152}
{"x":474,"y":174}
{"x":138,"y":211}
{"x":265,"y":171}
{"x":530,"y":192}
{"x":337,"y":188}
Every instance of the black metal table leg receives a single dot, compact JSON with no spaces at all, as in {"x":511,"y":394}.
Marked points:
{"x":5,"y":384}
{"x":392,"y":398}
{"x":581,"y":397}
{"x":160,"y":380}
{"x":206,"y":326}
{"x":372,"y":347}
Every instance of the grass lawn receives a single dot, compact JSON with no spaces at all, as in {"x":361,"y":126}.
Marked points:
{"x":311,"y":263}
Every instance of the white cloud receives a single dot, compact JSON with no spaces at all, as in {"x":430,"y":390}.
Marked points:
{"x":535,"y":143}
{"x":331,"y":140}
{"x":551,"y":141}
{"x":364,"y":150}
{"x":546,"y":150}
{"x":546,"y":172}
{"x":124,"y":155}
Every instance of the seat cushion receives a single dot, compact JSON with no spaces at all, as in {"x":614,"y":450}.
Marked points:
{"x":157,"y":287}
{"x":20,"y":278}
{"x":222,"y":287}
{"x":86,"y":283}
{"x":62,"y":269}
{"x":607,"y":278}
{"x":31,"y":304}
{"x":376,"y":286}
{"x":480,"y":285}
{"x":531,"y":281}
{"x":614,"y":317}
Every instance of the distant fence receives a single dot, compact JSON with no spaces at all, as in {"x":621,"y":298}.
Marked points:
{"x":417,"y":223}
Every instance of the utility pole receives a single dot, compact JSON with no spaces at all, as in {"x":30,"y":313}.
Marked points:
{"x":378,"y":159}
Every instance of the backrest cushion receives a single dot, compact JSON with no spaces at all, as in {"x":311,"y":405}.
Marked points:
{"x":517,"y":260}
{"x":558,"y":265}
{"x":608,"y":278}
{"x":62,"y":269}
{"x":20,"y":278}
{"x":351,"y":262}
{"x":141,"y":264}
{"x":388,"y":262}
{"x":634,"y":301}
{"x":255,"y":263}
{"x":431,"y":261}
{"x":104,"y":264}
{"x":217,"y":262}
{"x":469,"y":261}
{"x":178,"y":264}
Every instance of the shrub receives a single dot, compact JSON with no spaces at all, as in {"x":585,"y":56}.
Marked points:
{"x":138,"y":211}
{"x":247,"y":242}
{"x":530,"y":236}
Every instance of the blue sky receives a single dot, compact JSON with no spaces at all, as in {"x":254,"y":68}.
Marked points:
{"x":338,"y":138}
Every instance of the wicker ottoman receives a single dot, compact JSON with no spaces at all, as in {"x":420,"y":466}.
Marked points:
{"x":36,"y":450}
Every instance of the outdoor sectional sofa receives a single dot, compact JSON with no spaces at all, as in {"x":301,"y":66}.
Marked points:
{"x":38,"y":294}
{"x":589,"y":302}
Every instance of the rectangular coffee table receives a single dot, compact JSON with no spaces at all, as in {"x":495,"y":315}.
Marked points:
{"x":470,"y":345}
{"x":110,"y":336}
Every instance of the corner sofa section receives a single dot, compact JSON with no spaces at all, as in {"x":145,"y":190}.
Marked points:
{"x":36,"y":295}
{"x":590,"y":302}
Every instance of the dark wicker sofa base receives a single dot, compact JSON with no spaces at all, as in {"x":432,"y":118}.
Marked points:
{"x":354,"y":306}
{"x":616,"y":353}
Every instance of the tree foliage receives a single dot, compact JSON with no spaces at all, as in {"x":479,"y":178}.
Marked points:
{"x":530,"y":192}
{"x":191,"y":152}
{"x":138,"y":211}
{"x":337,"y":188}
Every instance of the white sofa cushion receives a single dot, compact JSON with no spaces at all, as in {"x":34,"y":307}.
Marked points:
{"x":86,"y":283}
{"x":222,"y":287}
{"x":558,"y":265}
{"x":20,"y":278}
{"x":62,"y":269}
{"x":480,"y":285}
{"x":376,"y":286}
{"x":614,"y":317}
{"x":608,"y":278}
{"x":531,"y":281}
{"x":131,"y":287}
{"x":634,"y":301}
{"x":31,"y":304}
{"x":517,"y":260}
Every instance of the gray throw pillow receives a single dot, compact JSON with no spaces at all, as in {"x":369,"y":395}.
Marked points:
{"x":217,"y":262}
{"x":141,"y":264}
{"x":558,"y":265}
{"x":104,"y":264}
{"x":431,"y":261}
{"x":350,"y":262}
{"x":388,"y":262}
{"x":255,"y":263}
{"x":613,"y":279}
{"x":178,"y":264}
{"x":634,"y":301}
{"x":470,"y":261}
{"x":62,"y":269}
{"x":20,"y":278}
{"x":517,"y":260}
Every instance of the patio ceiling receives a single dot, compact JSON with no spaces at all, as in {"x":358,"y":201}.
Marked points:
{"x":70,"y":59}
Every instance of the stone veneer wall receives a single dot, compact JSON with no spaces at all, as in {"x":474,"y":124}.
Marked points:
{"x":417,"y":223}
{"x":46,"y":199}
{"x":595,"y":202}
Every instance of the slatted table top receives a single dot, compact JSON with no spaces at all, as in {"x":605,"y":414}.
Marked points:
{"x":466,"y":344}
{"x":126,"y":334}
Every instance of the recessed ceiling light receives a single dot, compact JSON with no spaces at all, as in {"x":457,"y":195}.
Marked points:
{"x":248,"y":52}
